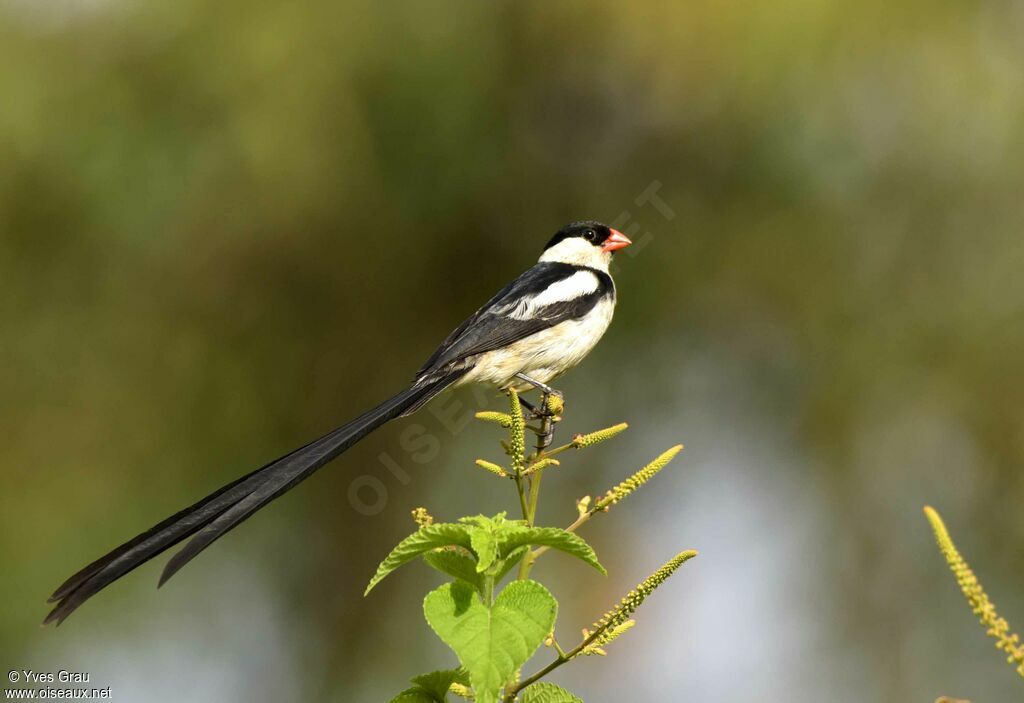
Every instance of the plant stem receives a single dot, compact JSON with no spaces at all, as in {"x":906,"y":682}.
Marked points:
{"x":527,"y":563}
{"x":489,"y":590}
{"x":522,"y":496}
{"x":559,"y":660}
{"x":530,"y":511}
{"x":559,"y":450}
{"x":534,"y":495}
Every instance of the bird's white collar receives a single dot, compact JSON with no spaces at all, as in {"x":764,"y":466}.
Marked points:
{"x":579,"y":252}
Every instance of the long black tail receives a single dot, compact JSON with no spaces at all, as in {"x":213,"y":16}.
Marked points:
{"x":219,"y":512}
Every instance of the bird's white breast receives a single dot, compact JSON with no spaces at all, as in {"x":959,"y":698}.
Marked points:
{"x":547,"y":354}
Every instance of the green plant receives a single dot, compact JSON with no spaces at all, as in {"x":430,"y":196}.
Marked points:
{"x":996,"y":627}
{"x":495,"y":631}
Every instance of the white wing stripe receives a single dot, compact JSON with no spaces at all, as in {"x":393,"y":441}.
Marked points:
{"x":578,"y":285}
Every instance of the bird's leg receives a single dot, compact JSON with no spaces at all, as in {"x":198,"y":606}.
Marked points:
{"x":546,"y":436}
{"x":533,"y":413}
{"x":546,"y":432}
{"x":529,"y":407}
{"x":542,"y":387}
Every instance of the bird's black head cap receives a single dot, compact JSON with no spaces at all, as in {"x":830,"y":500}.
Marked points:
{"x":591,"y":230}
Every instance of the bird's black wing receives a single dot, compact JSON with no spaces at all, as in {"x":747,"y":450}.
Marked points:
{"x":492,"y":327}
{"x":431,"y":363}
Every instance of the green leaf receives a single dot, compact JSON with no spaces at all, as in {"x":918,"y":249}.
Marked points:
{"x":548,"y":693}
{"x":437,"y":683}
{"x":486,"y":547}
{"x":496,"y":522}
{"x":431,"y":688}
{"x":456,"y":564}
{"x":553,"y":537}
{"x":423,"y":540}
{"x":415,"y":695}
{"x":510,"y":562}
{"x":491,"y":643}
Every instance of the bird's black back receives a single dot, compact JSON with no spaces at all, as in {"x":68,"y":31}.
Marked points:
{"x":491,"y":328}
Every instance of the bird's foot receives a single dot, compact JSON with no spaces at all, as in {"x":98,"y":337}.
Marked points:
{"x":549,"y":413}
{"x":550,"y":408}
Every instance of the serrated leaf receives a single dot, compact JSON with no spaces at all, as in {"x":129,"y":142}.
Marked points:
{"x":437,"y":683}
{"x":423,"y":540}
{"x":415,"y":695}
{"x":486,"y":547}
{"x":548,"y":693}
{"x":491,"y":643}
{"x":477,"y":520}
{"x":554,"y":537}
{"x":497,"y":522}
{"x":452,"y":563}
{"x":510,"y":562}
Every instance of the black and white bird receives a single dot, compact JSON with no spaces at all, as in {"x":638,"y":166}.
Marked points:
{"x":535,"y":329}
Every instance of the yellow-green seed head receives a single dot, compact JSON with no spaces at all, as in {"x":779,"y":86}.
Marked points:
{"x":555,"y":404}
{"x":588,"y":440}
{"x":422,"y":517}
{"x":503,"y":419}
{"x":638,"y":479}
{"x":605,"y":638}
{"x":492,"y":467}
{"x":517,"y":433}
{"x":541,"y":465}
{"x":996,"y":627}
{"x":628,"y":605}
{"x":462,"y":691}
{"x":583,"y":505}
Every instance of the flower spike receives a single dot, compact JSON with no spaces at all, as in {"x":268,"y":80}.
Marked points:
{"x":588,"y":440}
{"x":636,"y":480}
{"x":998,"y":628}
{"x":619,"y":615}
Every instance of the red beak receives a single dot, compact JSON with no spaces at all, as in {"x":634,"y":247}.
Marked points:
{"x":617,"y":240}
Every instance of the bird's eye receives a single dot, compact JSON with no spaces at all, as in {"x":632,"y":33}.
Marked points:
{"x":590,"y":235}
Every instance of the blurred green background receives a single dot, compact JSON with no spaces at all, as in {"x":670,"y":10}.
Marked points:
{"x":228,"y":227}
